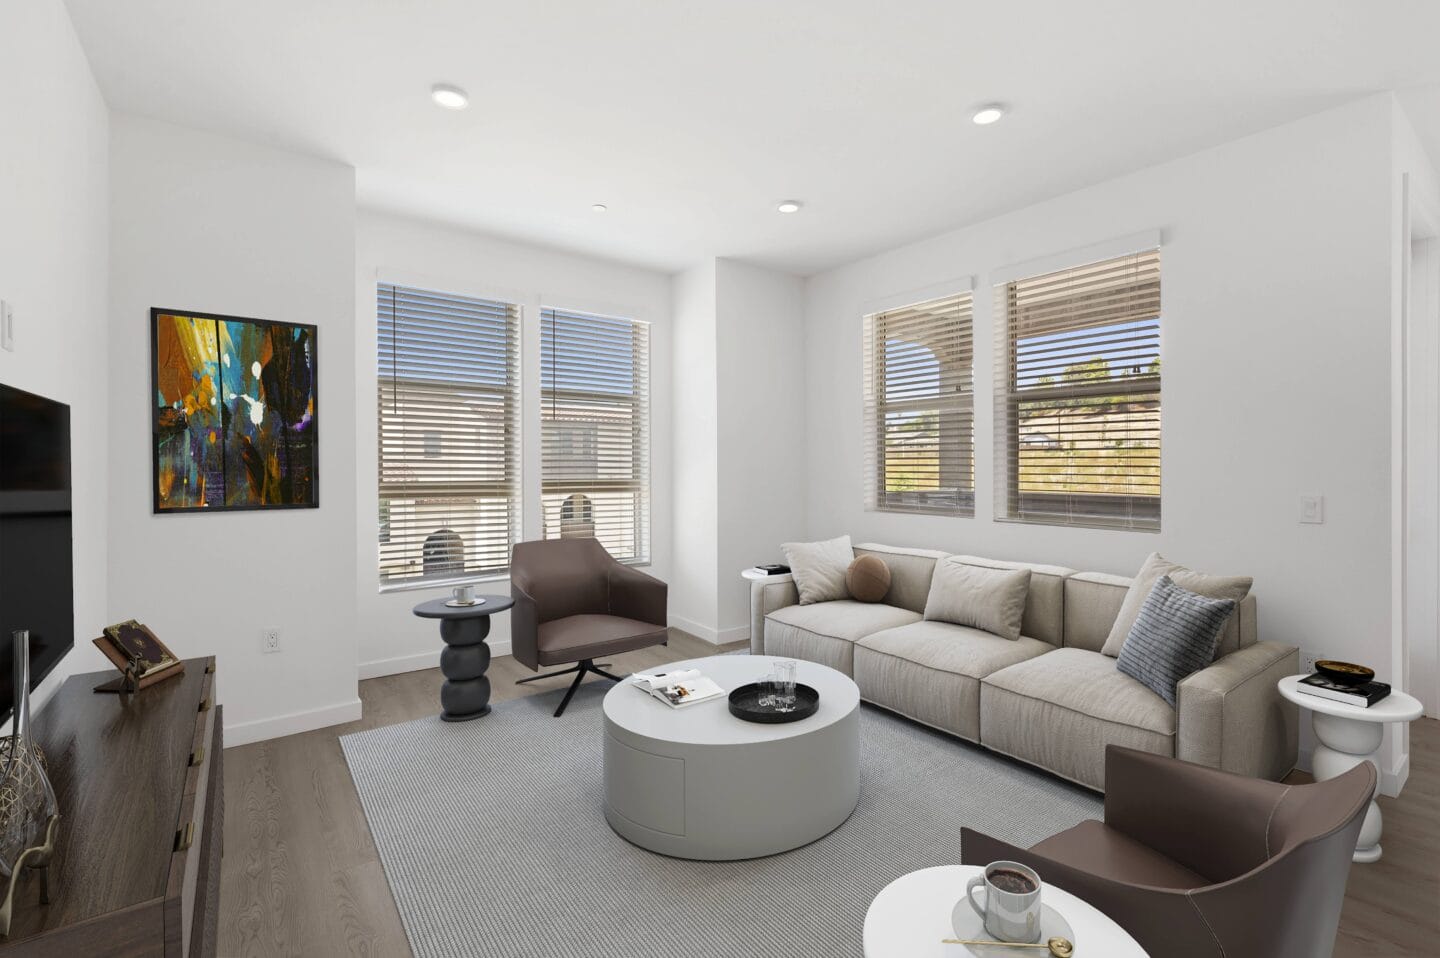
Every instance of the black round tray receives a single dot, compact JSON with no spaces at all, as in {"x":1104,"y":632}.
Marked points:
{"x":745,"y":704}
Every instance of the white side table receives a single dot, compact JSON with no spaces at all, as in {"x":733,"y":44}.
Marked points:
{"x":755,"y":575}
{"x":1347,"y":735}
{"x":911,"y":915}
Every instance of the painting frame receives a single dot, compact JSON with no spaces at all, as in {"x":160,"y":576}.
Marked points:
{"x":157,"y":505}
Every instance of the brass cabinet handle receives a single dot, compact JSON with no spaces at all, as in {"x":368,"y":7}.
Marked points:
{"x":205,"y":704}
{"x":184,"y":837}
{"x":210,"y":669}
{"x":197,"y":757}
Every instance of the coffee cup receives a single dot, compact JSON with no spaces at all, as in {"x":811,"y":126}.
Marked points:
{"x":1012,"y":901}
{"x":464,"y":594}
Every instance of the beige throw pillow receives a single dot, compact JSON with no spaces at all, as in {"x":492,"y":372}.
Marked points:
{"x":819,"y":568}
{"x":1235,"y":587}
{"x":989,"y":599}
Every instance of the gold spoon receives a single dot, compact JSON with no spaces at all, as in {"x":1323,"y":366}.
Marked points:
{"x":1059,"y":947}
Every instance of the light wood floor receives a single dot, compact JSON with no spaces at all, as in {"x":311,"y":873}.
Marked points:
{"x":301,"y":875}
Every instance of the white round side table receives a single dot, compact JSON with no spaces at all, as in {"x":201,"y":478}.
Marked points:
{"x":911,"y":916}
{"x":1347,"y":735}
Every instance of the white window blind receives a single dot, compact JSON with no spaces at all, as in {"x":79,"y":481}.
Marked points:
{"x":595,"y":430}
{"x":449,"y":435}
{"x":920,"y":408}
{"x":1077,"y":403}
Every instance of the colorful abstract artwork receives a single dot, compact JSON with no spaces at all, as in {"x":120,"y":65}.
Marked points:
{"x":234,"y":404}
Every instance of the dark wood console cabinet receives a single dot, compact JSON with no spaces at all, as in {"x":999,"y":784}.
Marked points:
{"x":137,"y":858}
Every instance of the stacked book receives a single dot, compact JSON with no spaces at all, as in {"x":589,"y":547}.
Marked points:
{"x":679,"y":689}
{"x":1362,"y":695}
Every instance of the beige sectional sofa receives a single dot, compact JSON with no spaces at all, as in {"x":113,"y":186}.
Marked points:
{"x":1049,"y":698}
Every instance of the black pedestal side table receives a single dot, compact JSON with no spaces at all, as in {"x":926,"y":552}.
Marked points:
{"x":466,"y":692}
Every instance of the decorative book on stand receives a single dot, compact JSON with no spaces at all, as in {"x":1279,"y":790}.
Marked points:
{"x":1362,"y":695}
{"x":140,"y":656}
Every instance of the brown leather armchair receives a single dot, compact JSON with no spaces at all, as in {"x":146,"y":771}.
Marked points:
{"x":575,"y":603}
{"x":1199,"y":863}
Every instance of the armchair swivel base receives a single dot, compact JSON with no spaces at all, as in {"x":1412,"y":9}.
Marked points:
{"x":579,"y":668}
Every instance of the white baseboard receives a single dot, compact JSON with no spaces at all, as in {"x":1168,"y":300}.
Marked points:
{"x":711,"y":635}
{"x":243,"y":733}
{"x":418,"y":661}
{"x":1391,"y":780}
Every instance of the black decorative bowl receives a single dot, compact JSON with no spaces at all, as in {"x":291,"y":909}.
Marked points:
{"x":745,"y":704}
{"x":1346,"y":673}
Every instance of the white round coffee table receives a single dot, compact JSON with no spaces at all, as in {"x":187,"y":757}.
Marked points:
{"x":1347,"y":735}
{"x":911,"y":916}
{"x":697,"y":782}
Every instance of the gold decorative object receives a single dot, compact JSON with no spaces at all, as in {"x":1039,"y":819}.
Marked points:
{"x":28,"y":810}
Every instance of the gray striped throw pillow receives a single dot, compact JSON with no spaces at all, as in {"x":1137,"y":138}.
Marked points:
{"x":1173,"y":636}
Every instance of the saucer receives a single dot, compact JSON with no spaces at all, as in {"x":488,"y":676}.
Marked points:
{"x":457,"y":604}
{"x":967,"y":924}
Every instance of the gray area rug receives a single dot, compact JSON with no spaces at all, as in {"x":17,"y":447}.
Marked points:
{"x":494,"y":841}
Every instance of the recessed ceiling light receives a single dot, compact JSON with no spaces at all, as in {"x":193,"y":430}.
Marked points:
{"x":989,"y":113}
{"x":449,"y":96}
{"x":789,"y":206}
{"x":599,"y":208}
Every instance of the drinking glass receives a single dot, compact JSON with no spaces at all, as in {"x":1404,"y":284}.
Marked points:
{"x":785,"y":685}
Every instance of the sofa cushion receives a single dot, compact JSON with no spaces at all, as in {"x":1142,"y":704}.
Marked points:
{"x":1174,"y":636}
{"x":1044,"y":617}
{"x":825,"y":632}
{"x":819,"y":568}
{"x":931,"y":671}
{"x":989,"y":599}
{"x":1060,"y":710}
{"x":910,"y":572}
{"x":1235,"y":587}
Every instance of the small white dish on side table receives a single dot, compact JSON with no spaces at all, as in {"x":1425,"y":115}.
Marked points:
{"x":913,"y":915}
{"x":1347,"y":735}
{"x":969,"y":925}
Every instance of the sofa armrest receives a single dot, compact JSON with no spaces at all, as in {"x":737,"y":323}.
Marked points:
{"x":1231,"y":715}
{"x":765,"y":597}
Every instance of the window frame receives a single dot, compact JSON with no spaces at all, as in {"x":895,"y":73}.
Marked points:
{"x":395,"y":497}
{"x":641,"y":483}
{"x":876,"y":407}
{"x":1133,"y":512}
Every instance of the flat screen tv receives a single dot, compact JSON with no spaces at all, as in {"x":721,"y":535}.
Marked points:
{"x":37,"y":588}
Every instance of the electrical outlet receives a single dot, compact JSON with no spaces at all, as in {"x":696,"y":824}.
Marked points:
{"x":1308,"y":660}
{"x":270,"y":640}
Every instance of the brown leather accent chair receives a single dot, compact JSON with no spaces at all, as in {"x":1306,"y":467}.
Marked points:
{"x":1199,"y":863}
{"x":575,"y":603}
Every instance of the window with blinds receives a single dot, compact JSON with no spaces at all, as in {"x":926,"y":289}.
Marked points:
{"x":1077,"y":401}
{"x":595,"y":430}
{"x":449,"y":452}
{"x":920,"y":408}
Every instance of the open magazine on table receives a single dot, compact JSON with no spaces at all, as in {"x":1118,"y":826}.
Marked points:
{"x":680,"y":688}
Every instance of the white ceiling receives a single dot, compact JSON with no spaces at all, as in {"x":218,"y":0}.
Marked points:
{"x":692,"y":119}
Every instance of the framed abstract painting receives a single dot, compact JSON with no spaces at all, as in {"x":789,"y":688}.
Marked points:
{"x":234,"y":404}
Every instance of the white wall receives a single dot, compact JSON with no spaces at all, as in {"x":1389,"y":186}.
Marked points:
{"x":1276,"y":266}
{"x":53,"y":239}
{"x":391,"y":639}
{"x":693,"y":595}
{"x":209,"y":223}
{"x":761,"y":433}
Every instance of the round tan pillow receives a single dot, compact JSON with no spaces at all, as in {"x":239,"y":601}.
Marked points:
{"x":867,"y":579}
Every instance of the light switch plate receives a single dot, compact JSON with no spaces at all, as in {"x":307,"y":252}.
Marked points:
{"x":1312,"y":509}
{"x":7,"y":327}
